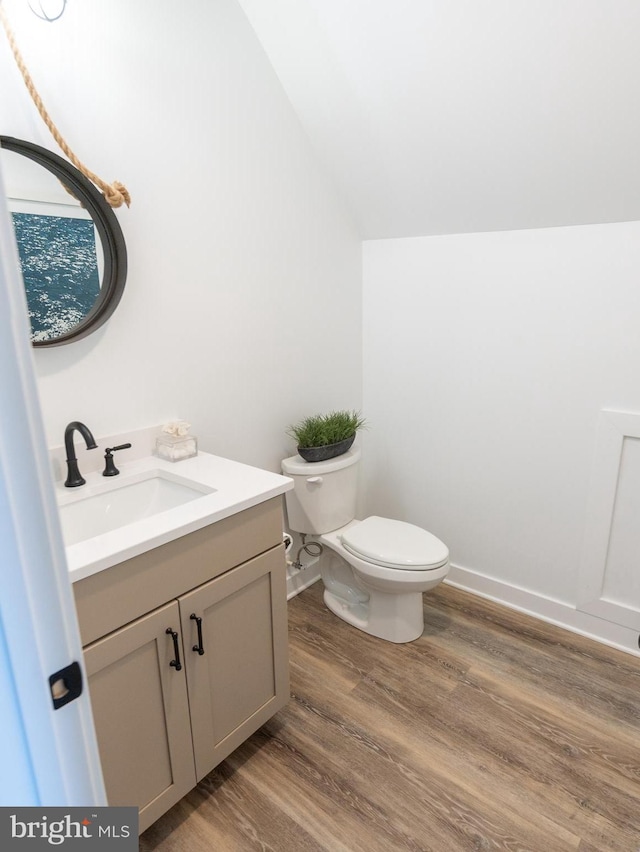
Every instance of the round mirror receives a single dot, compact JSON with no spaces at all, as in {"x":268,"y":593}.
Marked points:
{"x":71,"y":247}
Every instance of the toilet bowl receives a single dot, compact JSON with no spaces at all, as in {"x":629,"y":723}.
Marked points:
{"x":375,"y":570}
{"x":391,"y":607}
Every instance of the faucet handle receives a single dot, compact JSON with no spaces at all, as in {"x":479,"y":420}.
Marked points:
{"x":109,"y":466}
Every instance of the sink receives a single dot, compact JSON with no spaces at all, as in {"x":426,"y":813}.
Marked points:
{"x":94,"y":514}
{"x":152,"y":502}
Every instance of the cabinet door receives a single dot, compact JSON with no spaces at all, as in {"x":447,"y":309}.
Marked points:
{"x":242,"y":678}
{"x":141,"y":714}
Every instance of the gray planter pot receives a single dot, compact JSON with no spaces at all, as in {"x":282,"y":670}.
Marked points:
{"x":329,"y":451}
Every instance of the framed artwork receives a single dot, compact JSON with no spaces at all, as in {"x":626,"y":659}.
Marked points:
{"x":61,"y":264}
{"x":70,"y":244}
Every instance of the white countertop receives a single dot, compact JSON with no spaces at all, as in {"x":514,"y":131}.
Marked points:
{"x":237,"y":487}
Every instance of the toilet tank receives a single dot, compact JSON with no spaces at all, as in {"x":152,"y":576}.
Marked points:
{"x":324,"y":494}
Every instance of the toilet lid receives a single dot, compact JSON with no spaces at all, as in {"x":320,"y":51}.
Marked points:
{"x":395,"y":544}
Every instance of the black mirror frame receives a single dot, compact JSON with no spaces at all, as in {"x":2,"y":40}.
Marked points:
{"x":107,"y":225}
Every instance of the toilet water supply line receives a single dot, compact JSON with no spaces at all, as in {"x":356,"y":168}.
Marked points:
{"x":307,"y":547}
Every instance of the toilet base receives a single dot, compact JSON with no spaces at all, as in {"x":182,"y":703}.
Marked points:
{"x":394,"y":617}
{"x":383,"y":602}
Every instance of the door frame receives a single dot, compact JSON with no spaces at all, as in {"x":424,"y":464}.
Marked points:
{"x":53,"y":756}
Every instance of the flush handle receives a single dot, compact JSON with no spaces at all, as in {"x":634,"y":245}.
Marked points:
{"x":314,"y":480}
{"x":199,"y":647}
{"x":176,"y":664}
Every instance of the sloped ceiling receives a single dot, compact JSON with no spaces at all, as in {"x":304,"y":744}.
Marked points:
{"x":450,"y":116}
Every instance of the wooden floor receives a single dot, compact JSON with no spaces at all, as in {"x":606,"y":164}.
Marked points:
{"x":492,"y":731}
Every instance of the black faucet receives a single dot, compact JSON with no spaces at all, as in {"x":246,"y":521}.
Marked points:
{"x":74,"y":477}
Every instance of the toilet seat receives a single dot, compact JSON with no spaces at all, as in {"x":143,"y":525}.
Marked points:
{"x":395,"y":544}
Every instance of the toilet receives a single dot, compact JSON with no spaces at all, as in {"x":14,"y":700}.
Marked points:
{"x":374,"y":571}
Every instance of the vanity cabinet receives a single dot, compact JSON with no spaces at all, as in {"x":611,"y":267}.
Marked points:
{"x":141,"y":713}
{"x":176,"y":689}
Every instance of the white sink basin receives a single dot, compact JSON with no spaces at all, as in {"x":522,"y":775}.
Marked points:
{"x":95,"y":514}
{"x":152,"y":502}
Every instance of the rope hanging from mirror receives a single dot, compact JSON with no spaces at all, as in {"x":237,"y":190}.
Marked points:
{"x":115,"y":193}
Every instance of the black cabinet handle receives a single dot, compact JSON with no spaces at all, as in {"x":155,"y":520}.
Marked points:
{"x":199,"y":647}
{"x":177,"y":665}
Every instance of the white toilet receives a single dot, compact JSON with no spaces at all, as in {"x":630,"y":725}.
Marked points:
{"x":374,"y":571}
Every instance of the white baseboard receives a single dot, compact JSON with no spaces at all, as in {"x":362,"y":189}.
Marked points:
{"x":300,"y":579}
{"x":546,"y":609}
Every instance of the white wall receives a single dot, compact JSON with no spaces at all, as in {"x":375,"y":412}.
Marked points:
{"x":487,"y":359}
{"x":487,"y":356}
{"x":453,"y":116}
{"x":242,"y":310}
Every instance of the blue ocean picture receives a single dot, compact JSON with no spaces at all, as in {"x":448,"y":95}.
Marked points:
{"x":60,"y":271}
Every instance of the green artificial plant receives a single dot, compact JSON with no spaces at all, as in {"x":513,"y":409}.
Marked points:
{"x":321,"y":430}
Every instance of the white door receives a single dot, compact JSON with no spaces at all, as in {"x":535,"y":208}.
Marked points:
{"x":49,"y":756}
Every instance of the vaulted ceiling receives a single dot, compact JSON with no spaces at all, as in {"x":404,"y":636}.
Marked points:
{"x":449,"y":116}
